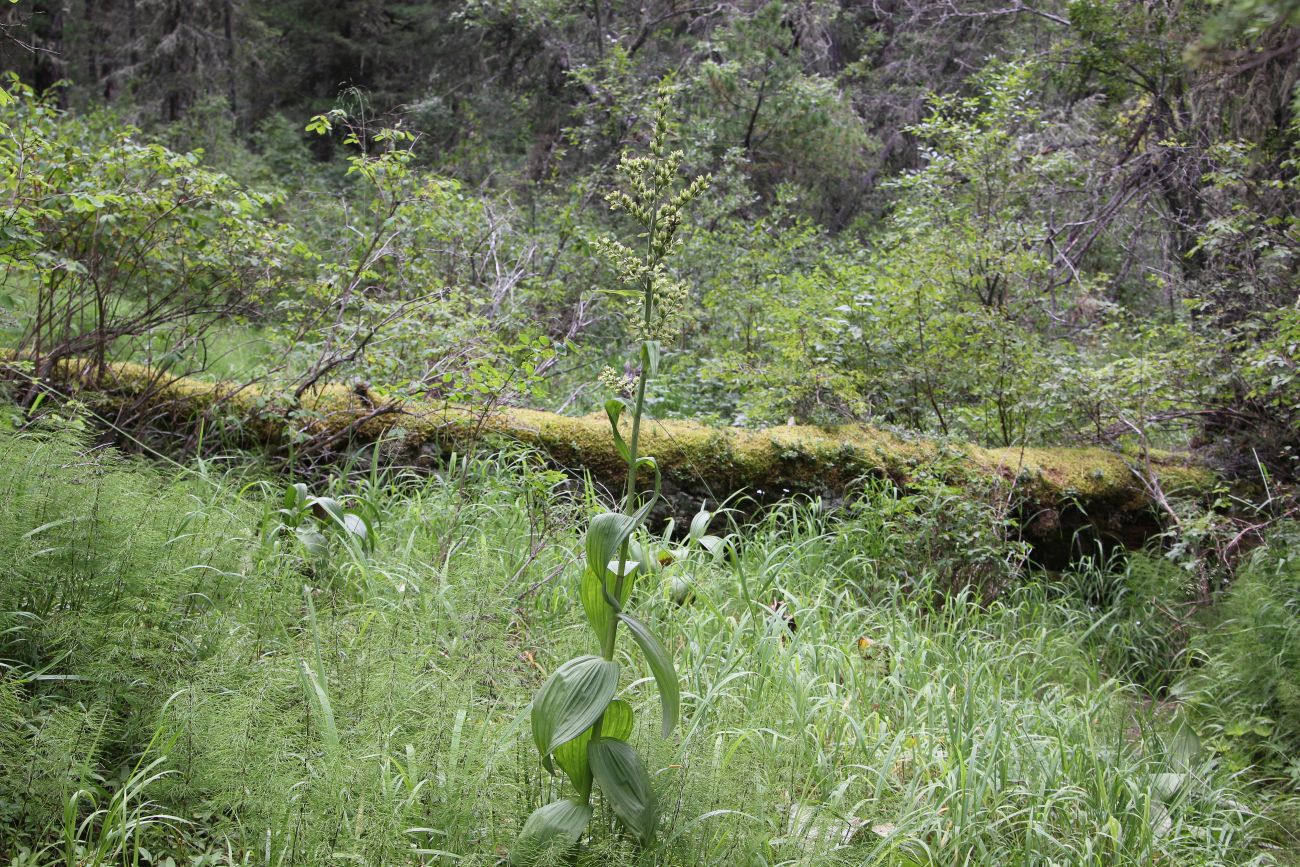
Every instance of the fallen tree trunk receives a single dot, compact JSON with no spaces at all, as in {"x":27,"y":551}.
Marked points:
{"x":1055,"y":492}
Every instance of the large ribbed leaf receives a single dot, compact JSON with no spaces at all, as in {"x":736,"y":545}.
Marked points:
{"x":572,"y":698}
{"x":700,"y":524}
{"x":609,"y":530}
{"x":625,"y":784}
{"x":605,"y":535}
{"x":618,"y":720}
{"x":558,"y":825}
{"x":599,"y":614}
{"x":661,"y":666}
{"x":572,"y":756}
{"x":614,"y":408}
{"x":650,"y":354}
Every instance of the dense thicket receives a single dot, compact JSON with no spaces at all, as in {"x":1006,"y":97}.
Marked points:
{"x":1009,"y":222}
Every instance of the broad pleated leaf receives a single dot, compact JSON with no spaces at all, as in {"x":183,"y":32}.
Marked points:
{"x":625,"y":784}
{"x":331,"y":508}
{"x":571,"y":700}
{"x":653,"y":463}
{"x":557,"y":825}
{"x":700,"y":524}
{"x":312,"y":540}
{"x":650,"y":353}
{"x":599,"y":614}
{"x":713,"y":545}
{"x":614,"y":408}
{"x":661,"y":666}
{"x":618,"y":720}
{"x":356,"y":525}
{"x":296,"y":496}
{"x":605,"y":535}
{"x":572,"y":756}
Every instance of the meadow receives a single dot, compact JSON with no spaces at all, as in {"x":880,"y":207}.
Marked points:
{"x":188,"y":682}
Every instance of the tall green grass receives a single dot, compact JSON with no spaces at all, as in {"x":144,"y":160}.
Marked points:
{"x":260,"y":704}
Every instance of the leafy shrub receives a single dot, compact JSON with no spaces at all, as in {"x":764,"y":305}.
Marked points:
{"x":119,"y":248}
{"x":1248,"y":688}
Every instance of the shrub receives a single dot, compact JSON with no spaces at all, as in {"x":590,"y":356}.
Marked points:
{"x":118,"y":247}
{"x":1248,"y":690}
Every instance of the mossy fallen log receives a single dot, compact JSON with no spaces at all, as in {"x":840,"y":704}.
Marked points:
{"x":1056,"y":491}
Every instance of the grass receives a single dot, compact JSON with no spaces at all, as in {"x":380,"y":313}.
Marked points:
{"x":182,"y":681}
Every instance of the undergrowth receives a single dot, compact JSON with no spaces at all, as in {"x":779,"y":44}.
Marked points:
{"x":181,"y":681}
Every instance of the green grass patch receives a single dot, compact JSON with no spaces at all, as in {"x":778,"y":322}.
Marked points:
{"x":182,"y":679}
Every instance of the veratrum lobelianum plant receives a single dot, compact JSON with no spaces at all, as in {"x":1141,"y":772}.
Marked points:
{"x":577,"y":722}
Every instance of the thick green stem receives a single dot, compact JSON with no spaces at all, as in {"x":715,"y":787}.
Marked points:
{"x":629,"y":506}
{"x":633,"y":457}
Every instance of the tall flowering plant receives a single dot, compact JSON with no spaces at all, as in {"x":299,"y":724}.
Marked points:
{"x":578,"y":725}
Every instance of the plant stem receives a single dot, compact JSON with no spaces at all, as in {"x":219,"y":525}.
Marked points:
{"x":629,"y":504}
{"x":629,"y":494}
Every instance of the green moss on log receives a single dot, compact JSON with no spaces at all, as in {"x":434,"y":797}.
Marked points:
{"x":1058,"y":489}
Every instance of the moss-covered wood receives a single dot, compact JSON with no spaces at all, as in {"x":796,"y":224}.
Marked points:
{"x":1057,"y":490}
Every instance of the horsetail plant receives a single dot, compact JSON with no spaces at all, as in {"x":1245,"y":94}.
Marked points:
{"x":577,"y":722}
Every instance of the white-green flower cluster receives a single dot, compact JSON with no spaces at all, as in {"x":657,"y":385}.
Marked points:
{"x":649,"y":196}
{"x":619,"y":383}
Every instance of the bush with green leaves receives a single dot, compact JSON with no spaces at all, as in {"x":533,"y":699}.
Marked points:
{"x":116,"y":247}
{"x":945,"y":321}
{"x":1247,"y":689}
{"x":577,"y":722}
{"x":410,"y":286}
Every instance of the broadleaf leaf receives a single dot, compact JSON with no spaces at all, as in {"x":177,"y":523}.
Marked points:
{"x":661,"y":666}
{"x":572,"y":755}
{"x":625,"y":784}
{"x":570,"y":700}
{"x":559,"y":824}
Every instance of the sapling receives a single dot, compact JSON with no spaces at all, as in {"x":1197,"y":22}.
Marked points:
{"x":577,"y":722}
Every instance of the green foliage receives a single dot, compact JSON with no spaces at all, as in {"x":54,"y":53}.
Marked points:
{"x":759,"y":100}
{"x":661,"y":665}
{"x":869,"y":733}
{"x":1144,"y":605}
{"x":310,"y":518}
{"x":625,"y":784}
{"x":1248,"y":691}
{"x":106,"y":601}
{"x":1005,"y":288}
{"x":1249,"y":301}
{"x":574,"y":702}
{"x":946,"y":324}
{"x":559,"y":824}
{"x":116,"y":247}
{"x":571,"y":700}
{"x":1003,"y":224}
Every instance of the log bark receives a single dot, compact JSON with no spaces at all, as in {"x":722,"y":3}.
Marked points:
{"x":1054,"y":492}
